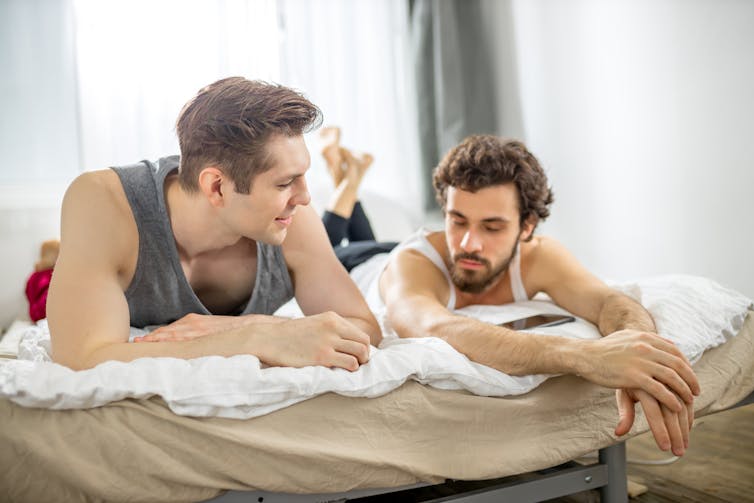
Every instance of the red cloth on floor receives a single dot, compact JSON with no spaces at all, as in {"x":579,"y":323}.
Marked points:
{"x":36,"y":292}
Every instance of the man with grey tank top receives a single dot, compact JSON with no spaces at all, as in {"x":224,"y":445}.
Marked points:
{"x":208,"y":245}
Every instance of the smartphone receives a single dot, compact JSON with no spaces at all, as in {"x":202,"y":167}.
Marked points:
{"x":540,"y":320}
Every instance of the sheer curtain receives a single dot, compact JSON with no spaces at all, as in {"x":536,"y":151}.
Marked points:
{"x":352,"y":59}
{"x":139,"y":61}
{"x":38,"y":124}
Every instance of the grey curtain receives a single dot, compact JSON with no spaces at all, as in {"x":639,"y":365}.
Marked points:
{"x":454,"y":69}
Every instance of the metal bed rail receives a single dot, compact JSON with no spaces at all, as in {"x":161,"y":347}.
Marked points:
{"x":608,"y":475}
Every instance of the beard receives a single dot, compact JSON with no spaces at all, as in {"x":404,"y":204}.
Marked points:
{"x":478,"y":281}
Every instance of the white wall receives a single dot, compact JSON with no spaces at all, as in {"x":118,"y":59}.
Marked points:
{"x":38,"y":130}
{"x":22,"y":231}
{"x":642,"y":111}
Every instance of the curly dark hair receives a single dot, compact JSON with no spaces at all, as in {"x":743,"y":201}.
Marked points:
{"x":481,"y":161}
{"x":229,"y":122}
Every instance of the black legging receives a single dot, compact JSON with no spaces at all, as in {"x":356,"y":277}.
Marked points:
{"x":361,"y":243}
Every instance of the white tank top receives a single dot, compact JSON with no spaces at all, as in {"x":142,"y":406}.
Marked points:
{"x":367,"y":275}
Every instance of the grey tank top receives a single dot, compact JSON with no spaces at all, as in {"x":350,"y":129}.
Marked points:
{"x":159,"y":292}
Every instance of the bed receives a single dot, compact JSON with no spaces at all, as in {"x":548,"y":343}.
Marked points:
{"x":334,"y":447}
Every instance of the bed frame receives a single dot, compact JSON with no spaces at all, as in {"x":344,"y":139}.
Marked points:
{"x":608,"y":475}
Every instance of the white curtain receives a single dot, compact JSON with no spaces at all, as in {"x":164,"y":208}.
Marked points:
{"x":140,"y":61}
{"x":38,"y":123}
{"x":351,"y":58}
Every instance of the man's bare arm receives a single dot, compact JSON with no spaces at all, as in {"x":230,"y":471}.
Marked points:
{"x":321,"y":282}
{"x":662,"y":375}
{"x":649,"y":362}
{"x":414,"y":291}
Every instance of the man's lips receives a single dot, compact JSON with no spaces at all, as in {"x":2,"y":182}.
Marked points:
{"x":285,"y":221}
{"x":470,"y":264}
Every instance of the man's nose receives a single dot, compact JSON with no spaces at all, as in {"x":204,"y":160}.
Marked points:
{"x":471,"y":242}
{"x":302,"y":196}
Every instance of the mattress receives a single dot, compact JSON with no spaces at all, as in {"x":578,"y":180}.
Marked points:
{"x":138,"y":450}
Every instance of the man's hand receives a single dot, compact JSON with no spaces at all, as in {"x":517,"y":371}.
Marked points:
{"x":670,"y":428}
{"x":640,"y":360}
{"x":323,"y":339}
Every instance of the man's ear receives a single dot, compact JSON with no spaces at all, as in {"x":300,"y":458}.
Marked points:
{"x":213,"y":184}
{"x":527,"y":229}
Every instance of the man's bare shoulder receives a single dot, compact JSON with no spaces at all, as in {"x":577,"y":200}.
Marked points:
{"x":104,"y":182}
{"x":412,"y":272}
{"x":542,"y":248}
{"x":545,"y":260}
{"x":415,"y":258}
{"x":419,"y":259}
{"x":101,"y":189}
{"x":96,"y":216}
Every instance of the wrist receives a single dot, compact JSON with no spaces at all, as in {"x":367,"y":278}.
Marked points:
{"x":574,"y":357}
{"x":257,"y":342}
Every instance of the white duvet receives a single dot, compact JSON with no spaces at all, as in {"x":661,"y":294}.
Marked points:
{"x":695,"y":313}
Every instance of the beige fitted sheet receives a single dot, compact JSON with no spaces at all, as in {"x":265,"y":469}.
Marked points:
{"x":137,"y":450}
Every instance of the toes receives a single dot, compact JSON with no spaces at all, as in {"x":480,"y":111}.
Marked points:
{"x":366,"y":160}
{"x":330,"y":135}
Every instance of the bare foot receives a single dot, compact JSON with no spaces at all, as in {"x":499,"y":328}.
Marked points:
{"x":365,"y":160}
{"x":331,"y":151}
{"x":356,"y":167}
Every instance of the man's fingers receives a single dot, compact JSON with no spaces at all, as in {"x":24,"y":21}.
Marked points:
{"x":669,"y":346}
{"x":352,"y":333}
{"x":683,"y":420}
{"x":662,"y":394}
{"x":672,"y":358}
{"x":344,"y":361}
{"x":153,"y":337}
{"x":656,"y":421}
{"x":672,"y":380}
{"x":673,"y":425}
{"x":626,"y":412}
{"x":357,"y":349}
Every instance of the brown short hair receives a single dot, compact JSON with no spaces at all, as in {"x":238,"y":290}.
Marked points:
{"x":482,"y":161}
{"x":228,"y":124}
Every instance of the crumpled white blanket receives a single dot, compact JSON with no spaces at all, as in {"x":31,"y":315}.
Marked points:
{"x":695,"y":313}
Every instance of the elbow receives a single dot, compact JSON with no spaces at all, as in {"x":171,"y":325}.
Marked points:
{"x":74,"y":359}
{"x":404,"y":321}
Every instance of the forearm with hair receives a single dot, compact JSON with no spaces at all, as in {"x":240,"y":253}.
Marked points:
{"x":620,"y":312}
{"x":514,"y":353}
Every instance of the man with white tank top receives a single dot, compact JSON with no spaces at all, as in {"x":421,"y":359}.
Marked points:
{"x":493,"y":192}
